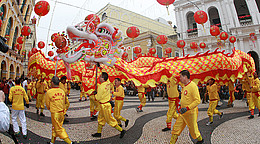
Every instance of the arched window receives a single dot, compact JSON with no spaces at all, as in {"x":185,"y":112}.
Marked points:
{"x":258,"y":4}
{"x":17,"y":71}
{"x":15,"y":37}
{"x":26,"y":14}
{"x":159,"y":51}
{"x":214,"y":17}
{"x":2,"y":10}
{"x":24,"y":1}
{"x":192,"y":25}
{"x":242,"y":11}
{"x":11,"y":71}
{"x":8,"y":28}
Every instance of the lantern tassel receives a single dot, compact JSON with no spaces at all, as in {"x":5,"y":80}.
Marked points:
{"x":183,"y":52}
{"x":203,"y":28}
{"x":167,"y":9}
{"x":38,"y":21}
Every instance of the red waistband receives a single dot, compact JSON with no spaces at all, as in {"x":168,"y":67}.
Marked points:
{"x":213,"y":99}
{"x":173,"y":99}
{"x":119,"y":98}
{"x":104,"y":102}
{"x":39,"y":93}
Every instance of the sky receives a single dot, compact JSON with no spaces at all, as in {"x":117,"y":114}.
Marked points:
{"x":70,"y":12}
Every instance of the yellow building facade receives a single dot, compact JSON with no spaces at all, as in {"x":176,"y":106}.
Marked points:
{"x":15,"y":15}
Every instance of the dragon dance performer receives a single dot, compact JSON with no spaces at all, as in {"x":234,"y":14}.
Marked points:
{"x":64,"y":88}
{"x":82,"y":92}
{"x":246,"y":89}
{"x":190,"y":99}
{"x":104,"y":116}
{"x":254,"y":101}
{"x":29,"y":90}
{"x":173,"y":100}
{"x":41,"y":88}
{"x":94,"y":106}
{"x":142,"y":98}
{"x":231,"y":93}
{"x":213,"y":101}
{"x":34,"y":88}
{"x":56,"y":103}
{"x":119,"y":102}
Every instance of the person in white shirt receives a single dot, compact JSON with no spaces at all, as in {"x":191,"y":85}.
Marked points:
{"x":4,"y":114}
{"x":25,"y":84}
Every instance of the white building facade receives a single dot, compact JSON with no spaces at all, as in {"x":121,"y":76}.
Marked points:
{"x":238,"y":18}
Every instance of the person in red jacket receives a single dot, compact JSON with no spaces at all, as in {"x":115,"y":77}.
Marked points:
{"x":5,"y":87}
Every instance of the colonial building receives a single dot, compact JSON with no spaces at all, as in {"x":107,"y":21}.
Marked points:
{"x":236,"y":17}
{"x":149,"y":29}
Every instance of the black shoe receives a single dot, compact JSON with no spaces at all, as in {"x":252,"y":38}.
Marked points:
{"x":141,"y":111}
{"x":209,"y":123}
{"x":66,"y":121}
{"x":17,"y":134}
{"x":37,"y":111}
{"x":79,"y":99}
{"x":218,"y":105}
{"x":25,"y":136}
{"x":137,"y":109}
{"x":122,"y":133}
{"x":66,"y":115}
{"x":96,"y":135}
{"x":93,"y":117}
{"x":41,"y":114}
{"x":120,"y":125}
{"x":166,"y":129}
{"x":221,"y":116}
{"x":259,"y":114}
{"x":30,"y":100}
{"x":85,"y":99}
{"x":200,"y":142}
{"x":126,"y":123}
{"x":251,"y":116}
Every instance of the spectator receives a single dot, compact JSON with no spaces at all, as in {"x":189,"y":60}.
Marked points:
{"x":5,"y":87}
{"x":4,"y":114}
{"x":25,"y":84}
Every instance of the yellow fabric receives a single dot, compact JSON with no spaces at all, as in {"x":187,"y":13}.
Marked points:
{"x":93,"y":104}
{"x":190,"y":96}
{"x":172,"y":90}
{"x":34,"y":87}
{"x":231,"y":96}
{"x":189,"y":118}
{"x":55,"y":100}
{"x":29,"y":89}
{"x":245,"y":84}
{"x":99,"y":128}
{"x":171,"y":112}
{"x":255,"y":85}
{"x":111,"y":88}
{"x":82,"y":93}
{"x":118,"y":128}
{"x":141,"y":95}
{"x":103,"y":92}
{"x":174,"y":139}
{"x":119,"y":92}
{"x":67,"y":140}
{"x":230,"y":86}
{"x":105,"y":116}
{"x":199,"y":138}
{"x":57,"y":122}
{"x":213,"y":92}
{"x":16,"y":96}
{"x":117,"y":111}
{"x":255,"y":101}
{"x":212,"y":108}
{"x":41,"y":87}
{"x":63,"y":87}
{"x":251,"y":102}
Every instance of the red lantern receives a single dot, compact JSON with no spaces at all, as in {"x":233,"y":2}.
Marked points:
{"x":202,"y":45}
{"x":26,"y":30}
{"x":132,"y":32}
{"x":20,"y":40}
{"x":168,"y":50}
{"x":42,"y":8}
{"x":34,"y":50}
{"x":125,"y":55}
{"x":214,"y":31}
{"x":60,"y":42}
{"x":54,"y":36}
{"x":19,"y":46}
{"x":200,"y":17}
{"x":55,"y":58}
{"x":180,"y":43}
{"x":161,"y":39}
{"x":137,"y":50}
{"x":41,"y":44}
{"x":165,"y":2}
{"x":232,"y":39}
{"x":223,"y":35}
{"x":152,"y":51}
{"x":50,"y":53}
{"x":194,"y":46}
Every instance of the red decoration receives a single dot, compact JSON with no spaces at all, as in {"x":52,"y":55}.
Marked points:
{"x":161,"y":39}
{"x":41,"y":44}
{"x":50,"y":53}
{"x":19,"y":46}
{"x":88,"y":64}
{"x":1,"y":23}
{"x":194,"y":46}
{"x":137,"y":50}
{"x":180,"y":43}
{"x":125,"y":55}
{"x":33,"y":20}
{"x":55,"y":58}
{"x":30,"y":54}
{"x":200,"y":17}
{"x":168,"y":50}
{"x":132,"y":32}
{"x":214,"y":30}
{"x":60,"y":42}
{"x":165,"y":2}
{"x":223,"y":36}
{"x":139,"y":55}
{"x":232,"y":39}
{"x":202,"y":45}
{"x":26,"y":30}
{"x":59,"y":51}
{"x":42,"y":8}
{"x":152,"y":51}
{"x":54,"y":36}
{"x":34,"y":50}
{"x":20,"y":40}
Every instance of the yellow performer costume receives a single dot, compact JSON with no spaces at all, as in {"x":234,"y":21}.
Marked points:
{"x":190,"y":99}
{"x":213,"y":102}
{"x":142,"y":98}
{"x":231,"y":92}
{"x":29,"y":90}
{"x":63,"y":87}
{"x":255,"y":95}
{"x":41,"y":87}
{"x":173,"y":100}
{"x":82,"y":92}
{"x":94,"y":106}
{"x":34,"y":88}
{"x":68,"y":87}
{"x":246,"y":89}
{"x":119,"y":102}
{"x":56,"y":103}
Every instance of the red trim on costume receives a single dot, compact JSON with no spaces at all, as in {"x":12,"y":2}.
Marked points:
{"x":213,"y":99}
{"x":256,"y":93}
{"x":188,"y":83}
{"x":104,"y":102}
{"x":187,"y":108}
{"x":119,"y":98}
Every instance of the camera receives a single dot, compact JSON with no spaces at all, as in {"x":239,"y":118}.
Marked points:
{"x":3,"y":47}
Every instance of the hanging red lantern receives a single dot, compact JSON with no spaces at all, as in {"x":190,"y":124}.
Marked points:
{"x":137,"y":50}
{"x":42,"y":8}
{"x":26,"y":30}
{"x":202,"y":45}
{"x":34,"y":50}
{"x":166,"y":3}
{"x":132,"y":32}
{"x":180,"y":43}
{"x":125,"y":55}
{"x":152,"y":51}
{"x":200,"y":17}
{"x":20,"y":40}
{"x":54,"y":36}
{"x":60,"y":42}
{"x":161,"y":39}
{"x":194,"y":46}
{"x":232,"y":39}
{"x":214,"y":30}
{"x":41,"y":44}
{"x":19,"y":46}
{"x":223,"y":36}
{"x":168,"y":50}
{"x":50,"y":53}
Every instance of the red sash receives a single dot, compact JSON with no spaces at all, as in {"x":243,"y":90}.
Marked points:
{"x":119,"y":98}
